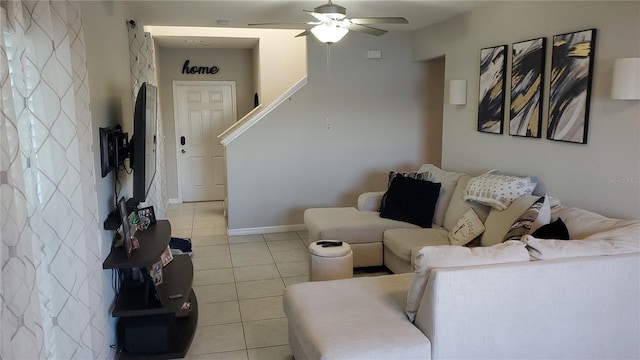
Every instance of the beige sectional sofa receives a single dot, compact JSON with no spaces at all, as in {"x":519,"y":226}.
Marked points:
{"x":574,"y":308}
{"x":377,"y":241}
{"x":573,"y":299}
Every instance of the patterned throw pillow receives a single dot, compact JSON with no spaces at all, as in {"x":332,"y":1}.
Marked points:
{"x":498,"y":190}
{"x":467,"y":228}
{"x":537,"y":215}
{"x":412,"y":174}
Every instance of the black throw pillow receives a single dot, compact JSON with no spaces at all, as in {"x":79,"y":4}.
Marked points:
{"x":410,"y":200}
{"x":555,"y":230}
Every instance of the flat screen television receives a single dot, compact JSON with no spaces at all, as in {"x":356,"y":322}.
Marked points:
{"x":143,"y":142}
{"x":141,"y":149}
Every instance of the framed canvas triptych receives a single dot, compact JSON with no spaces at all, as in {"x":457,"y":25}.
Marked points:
{"x":570,"y":88}
{"x":571,"y":73}
{"x":492,"y":87}
{"x":527,"y":78}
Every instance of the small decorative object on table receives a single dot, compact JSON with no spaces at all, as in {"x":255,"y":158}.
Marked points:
{"x":166,"y":257}
{"x":155,"y":271}
{"x":147,"y":217}
{"x":129,"y":241}
{"x":185,"y":309}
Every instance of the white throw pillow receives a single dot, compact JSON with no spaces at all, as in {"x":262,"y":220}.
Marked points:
{"x":448,"y":181}
{"x":466,"y":229}
{"x":430,"y":257}
{"x":498,"y":190}
{"x":536,"y":215}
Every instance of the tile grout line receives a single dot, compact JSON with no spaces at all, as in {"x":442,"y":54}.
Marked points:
{"x":235,"y":285}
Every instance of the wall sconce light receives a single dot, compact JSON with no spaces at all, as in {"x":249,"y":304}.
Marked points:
{"x":457,"y":92}
{"x":625,"y":83}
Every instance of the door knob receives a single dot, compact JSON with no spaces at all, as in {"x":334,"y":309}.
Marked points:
{"x":182,"y":140}
{"x":183,"y":151}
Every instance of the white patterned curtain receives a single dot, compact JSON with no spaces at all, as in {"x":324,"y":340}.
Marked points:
{"x":143,"y":69}
{"x":50,"y":275}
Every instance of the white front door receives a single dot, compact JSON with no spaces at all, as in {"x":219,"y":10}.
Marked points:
{"x":203,"y":109}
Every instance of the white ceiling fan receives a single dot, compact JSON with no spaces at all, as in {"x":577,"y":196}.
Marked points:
{"x":332,"y":23}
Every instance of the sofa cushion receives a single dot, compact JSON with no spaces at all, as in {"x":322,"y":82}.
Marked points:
{"x":431,"y":257}
{"x":402,"y":241}
{"x":535,"y":216}
{"x":348,"y":224}
{"x":498,"y":190}
{"x":622,"y":240}
{"x":360,"y":318}
{"x":555,"y":230}
{"x":467,"y":228}
{"x":583,"y":223}
{"x":458,"y":206}
{"x":410,"y":200}
{"x":448,"y":181}
{"x":498,"y":222}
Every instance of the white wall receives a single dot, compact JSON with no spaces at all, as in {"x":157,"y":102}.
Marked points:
{"x":289,"y":161}
{"x":604,"y":174}
{"x":278,"y":53}
{"x":235,"y":65}
{"x":107,"y":47}
{"x":281,"y":65}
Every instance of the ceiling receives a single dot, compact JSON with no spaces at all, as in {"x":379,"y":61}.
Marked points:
{"x":240,"y":13}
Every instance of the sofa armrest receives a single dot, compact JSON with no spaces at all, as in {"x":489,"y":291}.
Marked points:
{"x":527,"y":310}
{"x":370,"y":201}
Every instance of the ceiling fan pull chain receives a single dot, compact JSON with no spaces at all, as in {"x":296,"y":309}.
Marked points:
{"x":328,"y":87}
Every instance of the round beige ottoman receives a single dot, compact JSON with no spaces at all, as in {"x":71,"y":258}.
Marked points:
{"x":330,"y":263}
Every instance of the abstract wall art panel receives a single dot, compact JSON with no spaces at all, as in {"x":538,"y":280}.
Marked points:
{"x":492,"y":85}
{"x":570,"y":93}
{"x":527,"y":77}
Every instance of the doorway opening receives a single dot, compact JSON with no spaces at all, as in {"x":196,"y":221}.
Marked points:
{"x":433,"y":80}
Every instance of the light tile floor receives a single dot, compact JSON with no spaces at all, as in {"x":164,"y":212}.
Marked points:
{"x":239,"y":282}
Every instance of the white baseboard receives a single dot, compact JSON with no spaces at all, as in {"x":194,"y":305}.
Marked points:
{"x":267,"y":229}
{"x":175,"y":201}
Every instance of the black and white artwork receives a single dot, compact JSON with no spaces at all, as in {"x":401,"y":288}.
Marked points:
{"x":527,"y":77}
{"x":571,"y":73}
{"x":492,"y":88}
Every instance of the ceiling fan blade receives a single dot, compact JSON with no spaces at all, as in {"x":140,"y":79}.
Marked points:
{"x":366,"y":29}
{"x":316,"y":15}
{"x":286,"y":25}
{"x":379,"y":20}
{"x":304,"y":33}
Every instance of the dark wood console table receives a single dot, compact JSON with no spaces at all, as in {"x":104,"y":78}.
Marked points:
{"x":148,"y":325}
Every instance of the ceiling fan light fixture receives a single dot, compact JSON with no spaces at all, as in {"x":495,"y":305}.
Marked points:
{"x":332,"y":11}
{"x":329,"y":33}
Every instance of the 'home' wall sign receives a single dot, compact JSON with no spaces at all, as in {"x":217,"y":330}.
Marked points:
{"x":186,"y":69}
